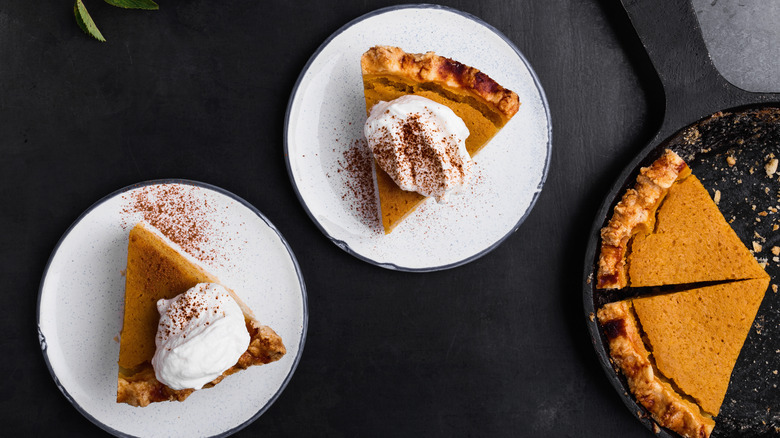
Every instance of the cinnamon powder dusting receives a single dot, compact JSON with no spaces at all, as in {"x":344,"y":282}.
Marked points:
{"x":356,"y":167}
{"x":178,"y":212}
{"x":182,"y":311}
{"x":417,"y":152}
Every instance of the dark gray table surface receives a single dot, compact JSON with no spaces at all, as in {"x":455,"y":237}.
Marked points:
{"x":199,"y":89}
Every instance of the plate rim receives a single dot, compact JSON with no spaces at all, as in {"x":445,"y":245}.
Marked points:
{"x":344,"y":245}
{"x":304,"y":299}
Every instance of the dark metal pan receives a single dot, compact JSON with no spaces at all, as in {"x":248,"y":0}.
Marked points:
{"x":706,"y":120}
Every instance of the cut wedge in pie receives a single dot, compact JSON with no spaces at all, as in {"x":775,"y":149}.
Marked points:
{"x":157,"y":269}
{"x":677,"y":350}
{"x":484,"y":105}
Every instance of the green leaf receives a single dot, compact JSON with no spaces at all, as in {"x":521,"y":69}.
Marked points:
{"x":85,"y":21}
{"x":134,"y":4}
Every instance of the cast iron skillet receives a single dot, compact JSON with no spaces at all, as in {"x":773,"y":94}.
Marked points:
{"x":706,"y":120}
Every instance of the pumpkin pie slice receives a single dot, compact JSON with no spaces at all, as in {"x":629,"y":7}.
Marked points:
{"x":691,"y":243}
{"x":634,"y":214}
{"x":484,"y":105}
{"x":696,"y":335}
{"x":666,"y":230}
{"x":156,"y":269}
{"x":651,"y":389}
{"x":678,"y":350}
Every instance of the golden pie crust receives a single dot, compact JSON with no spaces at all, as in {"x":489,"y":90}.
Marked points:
{"x":450,"y":75}
{"x":483,"y":104}
{"x":651,"y":390}
{"x":156,"y":270}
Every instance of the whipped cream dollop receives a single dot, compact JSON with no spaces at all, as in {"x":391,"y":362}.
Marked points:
{"x":421,"y":144}
{"x":201,"y":334}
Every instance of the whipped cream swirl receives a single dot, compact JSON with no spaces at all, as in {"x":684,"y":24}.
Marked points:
{"x":200,"y":335}
{"x":421,"y":144}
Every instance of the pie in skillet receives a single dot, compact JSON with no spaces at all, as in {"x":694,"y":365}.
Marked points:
{"x":677,"y":350}
{"x":484,"y":105}
{"x":155,"y":270}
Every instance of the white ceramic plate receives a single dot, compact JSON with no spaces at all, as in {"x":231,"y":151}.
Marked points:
{"x":327,"y":111}
{"x":80,"y":310}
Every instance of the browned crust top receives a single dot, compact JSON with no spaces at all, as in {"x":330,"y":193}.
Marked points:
{"x":634,"y":212}
{"x":629,"y":353}
{"x":430,"y":67}
{"x":143,"y":388}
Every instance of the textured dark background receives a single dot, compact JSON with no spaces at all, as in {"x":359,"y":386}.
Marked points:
{"x":199,"y":89}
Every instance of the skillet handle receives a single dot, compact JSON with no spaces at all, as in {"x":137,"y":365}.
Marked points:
{"x":670,"y":33}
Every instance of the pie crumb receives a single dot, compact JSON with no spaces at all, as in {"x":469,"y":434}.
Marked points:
{"x":776,"y":250}
{"x":774,"y":288}
{"x":716,"y":198}
{"x":771,"y":167}
{"x":757,"y":246}
{"x":731,"y":160}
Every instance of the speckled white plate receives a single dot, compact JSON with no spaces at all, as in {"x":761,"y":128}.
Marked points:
{"x":80,"y":308}
{"x":327,"y":111}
